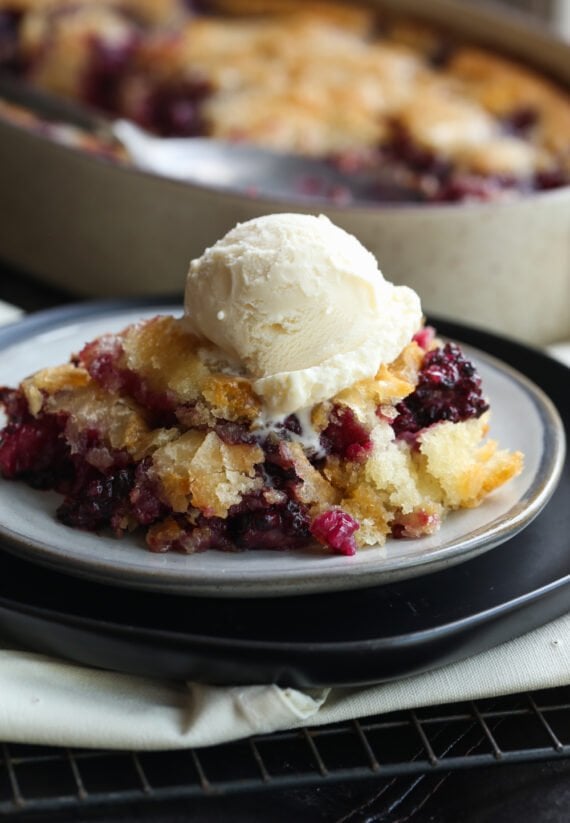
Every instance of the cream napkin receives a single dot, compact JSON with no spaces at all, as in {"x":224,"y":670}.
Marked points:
{"x":52,"y":702}
{"x":8,"y":313}
{"x":561,"y":351}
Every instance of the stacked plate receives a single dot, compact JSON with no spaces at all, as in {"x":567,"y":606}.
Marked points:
{"x":291,"y":617}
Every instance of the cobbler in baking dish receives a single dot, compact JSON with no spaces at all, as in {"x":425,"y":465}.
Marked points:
{"x":270,"y":436}
{"x":453,"y":122}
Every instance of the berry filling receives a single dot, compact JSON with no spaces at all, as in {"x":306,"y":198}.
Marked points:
{"x":345,"y":436}
{"x":173,"y":109}
{"x":272,"y":527}
{"x":448,"y":388}
{"x":414,"y":525}
{"x":9,"y":26}
{"x":402,"y":148}
{"x":521,"y":121}
{"x":101,"y":500}
{"x":440,"y":182}
{"x":35,"y":451}
{"x":424,"y":337}
{"x":107,"y":65}
{"x":101,"y":359}
{"x":335,"y":529}
{"x":181,"y":536}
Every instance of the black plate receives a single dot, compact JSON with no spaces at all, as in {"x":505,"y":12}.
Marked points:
{"x":339,"y":638}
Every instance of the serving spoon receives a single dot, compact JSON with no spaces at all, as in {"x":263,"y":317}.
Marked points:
{"x":225,"y":165}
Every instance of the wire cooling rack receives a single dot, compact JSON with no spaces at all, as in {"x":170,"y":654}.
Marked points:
{"x":525,"y":727}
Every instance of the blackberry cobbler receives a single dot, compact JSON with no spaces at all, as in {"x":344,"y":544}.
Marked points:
{"x":453,"y":122}
{"x":161,"y":429}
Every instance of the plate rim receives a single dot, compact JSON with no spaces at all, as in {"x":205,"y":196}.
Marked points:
{"x":140,"y":632}
{"x":250,"y":582}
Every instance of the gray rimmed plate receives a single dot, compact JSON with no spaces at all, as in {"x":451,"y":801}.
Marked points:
{"x":523,"y":418}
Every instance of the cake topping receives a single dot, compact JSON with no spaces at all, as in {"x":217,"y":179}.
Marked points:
{"x":300,"y":305}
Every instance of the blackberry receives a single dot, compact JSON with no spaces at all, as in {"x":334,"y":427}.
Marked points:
{"x":275,"y":527}
{"x":449,"y":388}
{"x":101,"y":500}
{"x":346,"y":436}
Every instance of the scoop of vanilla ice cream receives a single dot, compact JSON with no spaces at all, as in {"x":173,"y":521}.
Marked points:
{"x":301,"y":304}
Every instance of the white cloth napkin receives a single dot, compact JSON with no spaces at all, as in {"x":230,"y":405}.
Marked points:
{"x":52,"y":702}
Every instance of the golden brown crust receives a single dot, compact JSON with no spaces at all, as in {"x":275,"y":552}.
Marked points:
{"x":166,"y":357}
{"x":201,"y":471}
{"x":304,"y":105}
{"x":504,"y":87}
{"x":231,"y":398}
{"x":58,"y":47}
{"x":315,"y":491}
{"x":466,"y":467}
{"x":357,"y":18}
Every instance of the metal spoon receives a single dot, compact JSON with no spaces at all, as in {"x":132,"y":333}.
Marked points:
{"x":254,"y":170}
{"x":237,"y":167}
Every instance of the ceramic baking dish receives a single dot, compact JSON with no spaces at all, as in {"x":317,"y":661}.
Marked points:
{"x":98,"y":229}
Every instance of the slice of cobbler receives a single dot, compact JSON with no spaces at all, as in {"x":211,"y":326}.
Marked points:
{"x":137,"y":432}
{"x":155,"y":428}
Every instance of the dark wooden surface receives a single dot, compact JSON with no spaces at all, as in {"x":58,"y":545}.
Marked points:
{"x":535,"y":792}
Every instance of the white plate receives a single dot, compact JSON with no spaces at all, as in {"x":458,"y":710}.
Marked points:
{"x":522,"y":418}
